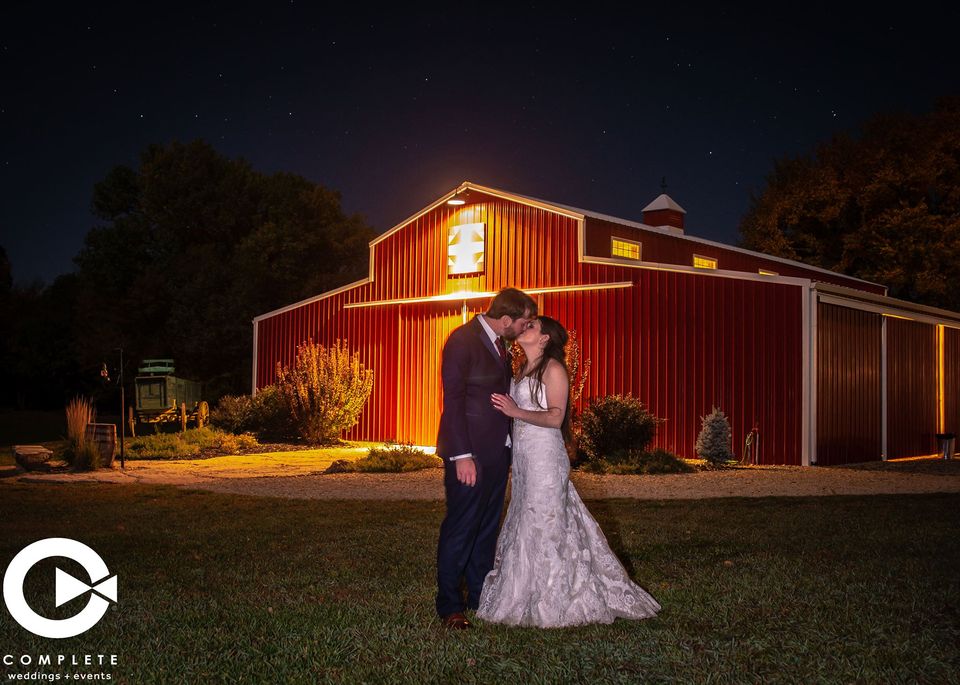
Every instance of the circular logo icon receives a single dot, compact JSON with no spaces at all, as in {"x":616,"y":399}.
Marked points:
{"x":101,"y":586}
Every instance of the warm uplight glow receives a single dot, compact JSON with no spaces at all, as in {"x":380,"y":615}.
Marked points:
{"x":764,"y":272}
{"x":478,"y":295}
{"x":941,"y":385}
{"x":701,"y":262}
{"x":465,"y":249}
{"x":628,"y":249}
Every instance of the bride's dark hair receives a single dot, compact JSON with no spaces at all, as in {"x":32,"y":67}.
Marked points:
{"x":554,"y":349}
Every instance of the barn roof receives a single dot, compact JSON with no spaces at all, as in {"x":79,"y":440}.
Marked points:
{"x":579,"y":213}
{"x":664,"y":201}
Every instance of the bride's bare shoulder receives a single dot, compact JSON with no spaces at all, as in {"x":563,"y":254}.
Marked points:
{"x":554,"y":371}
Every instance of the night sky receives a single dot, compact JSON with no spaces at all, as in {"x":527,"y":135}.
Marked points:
{"x":589,"y":108}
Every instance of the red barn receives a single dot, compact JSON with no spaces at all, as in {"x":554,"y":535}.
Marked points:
{"x":826,"y":367}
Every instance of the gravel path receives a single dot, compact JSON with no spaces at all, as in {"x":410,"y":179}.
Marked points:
{"x":293,"y":476}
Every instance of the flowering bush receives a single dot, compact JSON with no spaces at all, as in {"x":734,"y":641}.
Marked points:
{"x":324,"y":390}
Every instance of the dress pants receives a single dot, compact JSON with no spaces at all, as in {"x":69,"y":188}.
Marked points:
{"x":468,"y":535}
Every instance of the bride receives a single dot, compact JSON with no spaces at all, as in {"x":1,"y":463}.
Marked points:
{"x":553,"y":565}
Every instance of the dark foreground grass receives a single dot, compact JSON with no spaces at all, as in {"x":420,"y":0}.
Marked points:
{"x":218,"y":588}
{"x":28,"y":427}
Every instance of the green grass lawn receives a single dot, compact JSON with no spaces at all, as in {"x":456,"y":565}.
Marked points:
{"x":217,"y":588}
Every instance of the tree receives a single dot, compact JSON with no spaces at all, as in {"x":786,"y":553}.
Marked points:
{"x":6,"y":329}
{"x":41,"y":369}
{"x":714,"y":440}
{"x":884,"y":206}
{"x":192,"y":246}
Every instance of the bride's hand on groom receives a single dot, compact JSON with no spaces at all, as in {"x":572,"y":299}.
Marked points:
{"x":504,"y":404}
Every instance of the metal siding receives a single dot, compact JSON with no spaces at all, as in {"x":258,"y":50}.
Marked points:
{"x":951,"y":381}
{"x":680,"y":342}
{"x":912,"y":386}
{"x":325,"y":321}
{"x":849,"y":411}
{"x":687,"y":356}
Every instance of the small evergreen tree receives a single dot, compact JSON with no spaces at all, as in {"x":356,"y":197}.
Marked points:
{"x":713,"y":443}
{"x":324,"y":390}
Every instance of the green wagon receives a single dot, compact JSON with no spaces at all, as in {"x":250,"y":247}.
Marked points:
{"x":159,"y":395}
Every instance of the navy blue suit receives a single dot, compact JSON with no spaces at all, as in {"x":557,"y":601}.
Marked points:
{"x":471,"y":370}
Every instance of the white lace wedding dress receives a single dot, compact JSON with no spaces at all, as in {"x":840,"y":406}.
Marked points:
{"x":553,"y":565}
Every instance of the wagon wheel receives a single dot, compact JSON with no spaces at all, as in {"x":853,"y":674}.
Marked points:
{"x":203,"y":414}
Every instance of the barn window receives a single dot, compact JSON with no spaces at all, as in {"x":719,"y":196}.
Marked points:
{"x":702,"y":262}
{"x":764,"y":272}
{"x":628,"y":249}
{"x":465,"y":249}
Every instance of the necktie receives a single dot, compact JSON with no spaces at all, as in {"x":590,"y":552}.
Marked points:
{"x":501,"y":348}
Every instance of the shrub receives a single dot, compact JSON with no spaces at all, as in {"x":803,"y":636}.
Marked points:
{"x":264,"y":414}
{"x":233,"y":413}
{"x":324,"y":391}
{"x":713,"y":443}
{"x":85,"y":457}
{"x":271,"y":417}
{"x":211,"y":437}
{"x":614,"y":427}
{"x":657,"y":460}
{"x":80,"y":453}
{"x":576,"y":370}
{"x":392,"y":459}
{"x":160,"y":446}
{"x":187,"y":445}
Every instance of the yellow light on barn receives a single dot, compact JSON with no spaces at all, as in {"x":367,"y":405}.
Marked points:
{"x":701,"y":262}
{"x":465,"y":249}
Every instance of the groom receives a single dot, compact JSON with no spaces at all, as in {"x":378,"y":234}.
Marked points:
{"x":474,"y":443}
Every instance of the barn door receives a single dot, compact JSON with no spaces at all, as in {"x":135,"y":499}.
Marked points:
{"x":423,"y":330}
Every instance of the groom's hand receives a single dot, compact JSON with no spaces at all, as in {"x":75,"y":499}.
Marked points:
{"x":466,"y":471}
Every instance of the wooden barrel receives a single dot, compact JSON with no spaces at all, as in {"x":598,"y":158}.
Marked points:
{"x":104,"y":436}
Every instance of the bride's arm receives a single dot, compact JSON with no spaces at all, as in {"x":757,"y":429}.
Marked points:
{"x":558,"y":386}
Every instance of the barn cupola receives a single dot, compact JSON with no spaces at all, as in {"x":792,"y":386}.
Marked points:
{"x":664,"y":212}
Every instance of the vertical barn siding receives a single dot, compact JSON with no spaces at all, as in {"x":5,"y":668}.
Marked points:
{"x":682,"y":343}
{"x":849,"y":407}
{"x":371,"y":333}
{"x":423,"y":330}
{"x":951,"y":381}
{"x":685,"y":343}
{"x":912,"y":387}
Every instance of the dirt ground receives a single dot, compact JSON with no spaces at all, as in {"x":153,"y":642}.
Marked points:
{"x":300,"y":475}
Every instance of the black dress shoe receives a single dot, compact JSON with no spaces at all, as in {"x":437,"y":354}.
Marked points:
{"x":455,"y":621}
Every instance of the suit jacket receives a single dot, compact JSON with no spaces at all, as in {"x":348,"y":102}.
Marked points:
{"x":471,"y":370}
